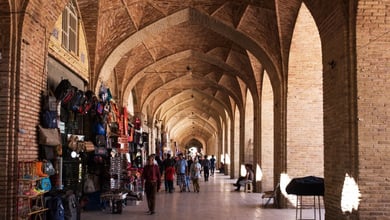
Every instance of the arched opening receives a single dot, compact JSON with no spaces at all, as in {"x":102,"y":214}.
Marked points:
{"x":248,"y":158}
{"x":267,"y":135}
{"x":305,"y":154}
{"x":236,"y":144}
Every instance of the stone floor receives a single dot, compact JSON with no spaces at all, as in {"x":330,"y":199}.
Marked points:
{"x":216,"y":201}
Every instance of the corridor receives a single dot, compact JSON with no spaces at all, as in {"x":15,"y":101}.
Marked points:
{"x":216,"y":201}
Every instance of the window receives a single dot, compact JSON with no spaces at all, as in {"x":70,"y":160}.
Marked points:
{"x":70,"y":28}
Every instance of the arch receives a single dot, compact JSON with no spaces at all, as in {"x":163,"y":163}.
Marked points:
{"x":184,"y":54}
{"x":267,"y":135}
{"x":249,"y":129}
{"x":130,"y":103}
{"x":182,"y":16}
{"x":305,"y":100}
{"x":236,"y":143}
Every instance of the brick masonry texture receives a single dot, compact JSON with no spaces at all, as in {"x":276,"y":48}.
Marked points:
{"x":327,"y":63}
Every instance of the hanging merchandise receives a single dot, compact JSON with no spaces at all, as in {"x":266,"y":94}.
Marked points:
{"x":49,"y":152}
{"x":48,"y":168}
{"x":89,"y":146}
{"x":137,"y":123}
{"x":109,"y":96}
{"x":49,"y":102}
{"x":77,"y":102}
{"x":72,"y":142}
{"x":62,"y":89}
{"x":67,"y":99}
{"x":99,"y":129}
{"x":89,"y":101}
{"x":45,"y":184}
{"x":103,"y":92}
{"x":49,"y":119}
{"x":89,"y":186}
{"x":100,"y":108}
{"x":131,"y":135}
{"x":125,"y":121}
{"x":145,"y":137}
{"x":49,"y":136}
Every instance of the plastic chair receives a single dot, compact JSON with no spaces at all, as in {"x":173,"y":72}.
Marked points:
{"x":248,"y":187}
{"x":271,"y":195}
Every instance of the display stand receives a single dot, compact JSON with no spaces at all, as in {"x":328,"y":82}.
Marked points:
{"x":299,"y":206}
{"x":113,"y":202}
{"x":30,"y":201}
{"x":306,"y":186}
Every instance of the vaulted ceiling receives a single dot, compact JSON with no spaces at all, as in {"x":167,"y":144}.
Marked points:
{"x":187,"y":63}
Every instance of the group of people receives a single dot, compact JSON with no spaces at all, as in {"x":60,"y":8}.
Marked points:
{"x":185,"y":170}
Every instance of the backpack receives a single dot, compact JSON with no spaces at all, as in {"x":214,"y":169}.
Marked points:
{"x":49,"y":168}
{"x":56,"y":209}
{"x":49,"y":119}
{"x":77,"y":102}
{"x":62,"y":89}
{"x":68,"y":96}
{"x":70,"y":207}
{"x":49,"y":103}
{"x":45,"y":184}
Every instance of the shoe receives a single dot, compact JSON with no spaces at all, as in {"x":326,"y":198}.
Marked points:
{"x":237,"y":190}
{"x":235,"y":184}
{"x":152,"y":213}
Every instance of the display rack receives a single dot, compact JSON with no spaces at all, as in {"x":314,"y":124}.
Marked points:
{"x":30,"y":199}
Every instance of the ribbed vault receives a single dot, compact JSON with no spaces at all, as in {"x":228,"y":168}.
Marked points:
{"x":186,"y":64}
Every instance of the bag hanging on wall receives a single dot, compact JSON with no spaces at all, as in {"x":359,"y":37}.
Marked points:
{"x":49,"y":136}
{"x":89,"y":146}
{"x":89,"y":186}
{"x":101,"y":140}
{"x":49,"y":119}
{"x":49,"y":152}
{"x":45,"y":184}
{"x":49,"y":102}
{"x":49,"y":168}
{"x":62,"y":89}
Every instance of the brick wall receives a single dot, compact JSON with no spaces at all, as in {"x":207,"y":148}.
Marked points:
{"x":23,"y":79}
{"x":6,"y":133}
{"x":267,"y":135}
{"x":373,"y":85}
{"x":304,"y":100}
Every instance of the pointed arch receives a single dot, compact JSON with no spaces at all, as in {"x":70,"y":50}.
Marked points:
{"x":305,"y":100}
{"x":249,"y":128}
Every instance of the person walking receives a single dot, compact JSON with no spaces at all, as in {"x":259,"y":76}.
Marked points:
{"x":212,"y":165}
{"x":169,"y":167}
{"x":195,"y":174}
{"x":188,"y":175}
{"x":152,"y":179}
{"x":169,"y":176}
{"x":206,"y":168}
{"x":181,"y":170}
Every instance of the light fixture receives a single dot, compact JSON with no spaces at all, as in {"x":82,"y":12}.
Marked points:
{"x":74,"y":154}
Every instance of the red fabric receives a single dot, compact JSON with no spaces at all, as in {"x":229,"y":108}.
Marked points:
{"x":131,"y":135}
{"x":169,"y":173}
{"x":151,"y":173}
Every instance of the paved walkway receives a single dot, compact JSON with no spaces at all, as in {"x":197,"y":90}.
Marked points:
{"x":216,"y":201}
